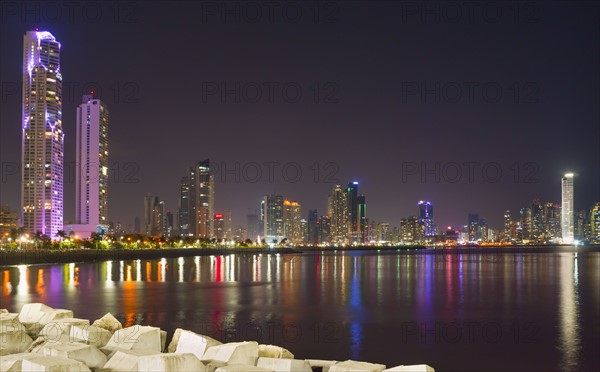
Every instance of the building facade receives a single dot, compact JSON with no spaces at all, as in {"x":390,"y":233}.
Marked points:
{"x":43,"y":137}
{"x":567,"y":215}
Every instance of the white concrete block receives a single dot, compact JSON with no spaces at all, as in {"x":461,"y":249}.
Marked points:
{"x":136,"y":338}
{"x":54,"y":329}
{"x":351,"y":366}
{"x":87,"y":354}
{"x":323,"y":364}
{"x":3,"y":351}
{"x":242,"y":368}
{"x":10,"y":322}
{"x":213,"y":365}
{"x":190,"y":342}
{"x":14,"y":362}
{"x":272,"y":351}
{"x":125,"y":360}
{"x":284,"y":365}
{"x":53,"y":364}
{"x":15,"y":341}
{"x":3,"y":311}
{"x":108,"y":322}
{"x":412,"y":368}
{"x":173,"y":344}
{"x":31,"y":313}
{"x":170,"y":362}
{"x":233,"y":352}
{"x":91,"y":335}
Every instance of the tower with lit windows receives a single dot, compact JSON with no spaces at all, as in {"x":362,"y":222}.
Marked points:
{"x":43,"y":137}
{"x":91,"y":154}
{"x":567,"y":217}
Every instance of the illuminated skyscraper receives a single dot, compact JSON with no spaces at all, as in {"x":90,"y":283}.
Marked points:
{"x":196,"y":201}
{"x":338,"y":210}
{"x":353,"y":218}
{"x":43,"y":137}
{"x":292,"y":228}
{"x":507,"y":225}
{"x":91,"y":165}
{"x":567,"y":217}
{"x":595,"y":223}
{"x":363,"y":222}
{"x":148,"y":207}
{"x":272,"y":217}
{"x":426,"y":217}
{"x":473,"y":227}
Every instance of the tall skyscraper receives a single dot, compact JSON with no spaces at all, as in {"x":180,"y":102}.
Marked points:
{"x":426,"y":217}
{"x":43,"y":137}
{"x":567,"y":217}
{"x":473,"y":226}
{"x":196,"y":201}
{"x":91,"y":164}
{"x":353,"y":219}
{"x":363,"y":222}
{"x":292,"y":228}
{"x":595,"y":223}
{"x":312,"y":236}
{"x":338,"y":215}
{"x":253,"y":226}
{"x":272,"y":217}
{"x":507,"y":224}
{"x":148,"y":207}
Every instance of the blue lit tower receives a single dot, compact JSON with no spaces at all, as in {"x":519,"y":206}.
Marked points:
{"x":43,"y":137}
{"x":353,"y":218}
{"x":426,"y":217}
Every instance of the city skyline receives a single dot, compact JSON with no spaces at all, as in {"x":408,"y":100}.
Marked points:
{"x":380,"y":173}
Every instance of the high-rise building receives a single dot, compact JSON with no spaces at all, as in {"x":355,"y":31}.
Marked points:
{"x":552,"y":221}
{"x":196,"y":201}
{"x":312,"y":235}
{"x":353,"y":218}
{"x":227,"y":224}
{"x":91,"y":164}
{"x":426,"y":217}
{"x":184,"y":207}
{"x":253,"y":227}
{"x":148,"y":218}
{"x":324,"y":230}
{"x":8,"y":220}
{"x":338,"y":213}
{"x":137,"y":225}
{"x":595,"y":223}
{"x":159,"y":218}
{"x":473,"y":226}
{"x":526,"y":224}
{"x":272,"y":217}
{"x":537,"y":221}
{"x":43,"y":137}
{"x":567,"y":211}
{"x":292,"y":228}
{"x":219,"y":226}
{"x":411,"y":230}
{"x":507,"y":224}
{"x":169,"y":227}
{"x":363,"y":222}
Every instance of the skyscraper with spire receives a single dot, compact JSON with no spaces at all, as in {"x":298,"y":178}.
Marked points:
{"x":43,"y":137}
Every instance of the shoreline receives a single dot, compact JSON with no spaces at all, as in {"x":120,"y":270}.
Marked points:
{"x":46,"y":257}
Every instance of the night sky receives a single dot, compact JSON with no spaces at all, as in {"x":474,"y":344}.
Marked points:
{"x":361,"y":67}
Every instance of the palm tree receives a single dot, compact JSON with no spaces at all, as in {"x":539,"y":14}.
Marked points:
{"x":61,"y":234}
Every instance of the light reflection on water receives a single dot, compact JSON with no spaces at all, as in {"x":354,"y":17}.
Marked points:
{"x":393,"y":308}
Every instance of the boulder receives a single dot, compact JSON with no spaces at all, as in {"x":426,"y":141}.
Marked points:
{"x":212,"y":366}
{"x":136,"y":338}
{"x":190,"y":342}
{"x":351,"y":365}
{"x":53,"y":363}
{"x":3,"y":311}
{"x":272,"y":351}
{"x":233,"y":353}
{"x":54,"y":329}
{"x":412,"y":368}
{"x":125,"y":360}
{"x":40,"y":343}
{"x":87,"y":354}
{"x":91,"y":335}
{"x":10,"y":322}
{"x":15,"y":341}
{"x":41,"y":314}
{"x":170,"y":362}
{"x":108,"y":322}
{"x":242,"y":368}
{"x":14,"y":362}
{"x":323,"y":365}
{"x":173,"y":344}
{"x":284,"y":365}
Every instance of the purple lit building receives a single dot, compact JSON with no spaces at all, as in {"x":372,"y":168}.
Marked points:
{"x":426,"y":217}
{"x":43,"y":137}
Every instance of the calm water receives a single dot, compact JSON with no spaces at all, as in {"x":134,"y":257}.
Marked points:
{"x":532,"y":311}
